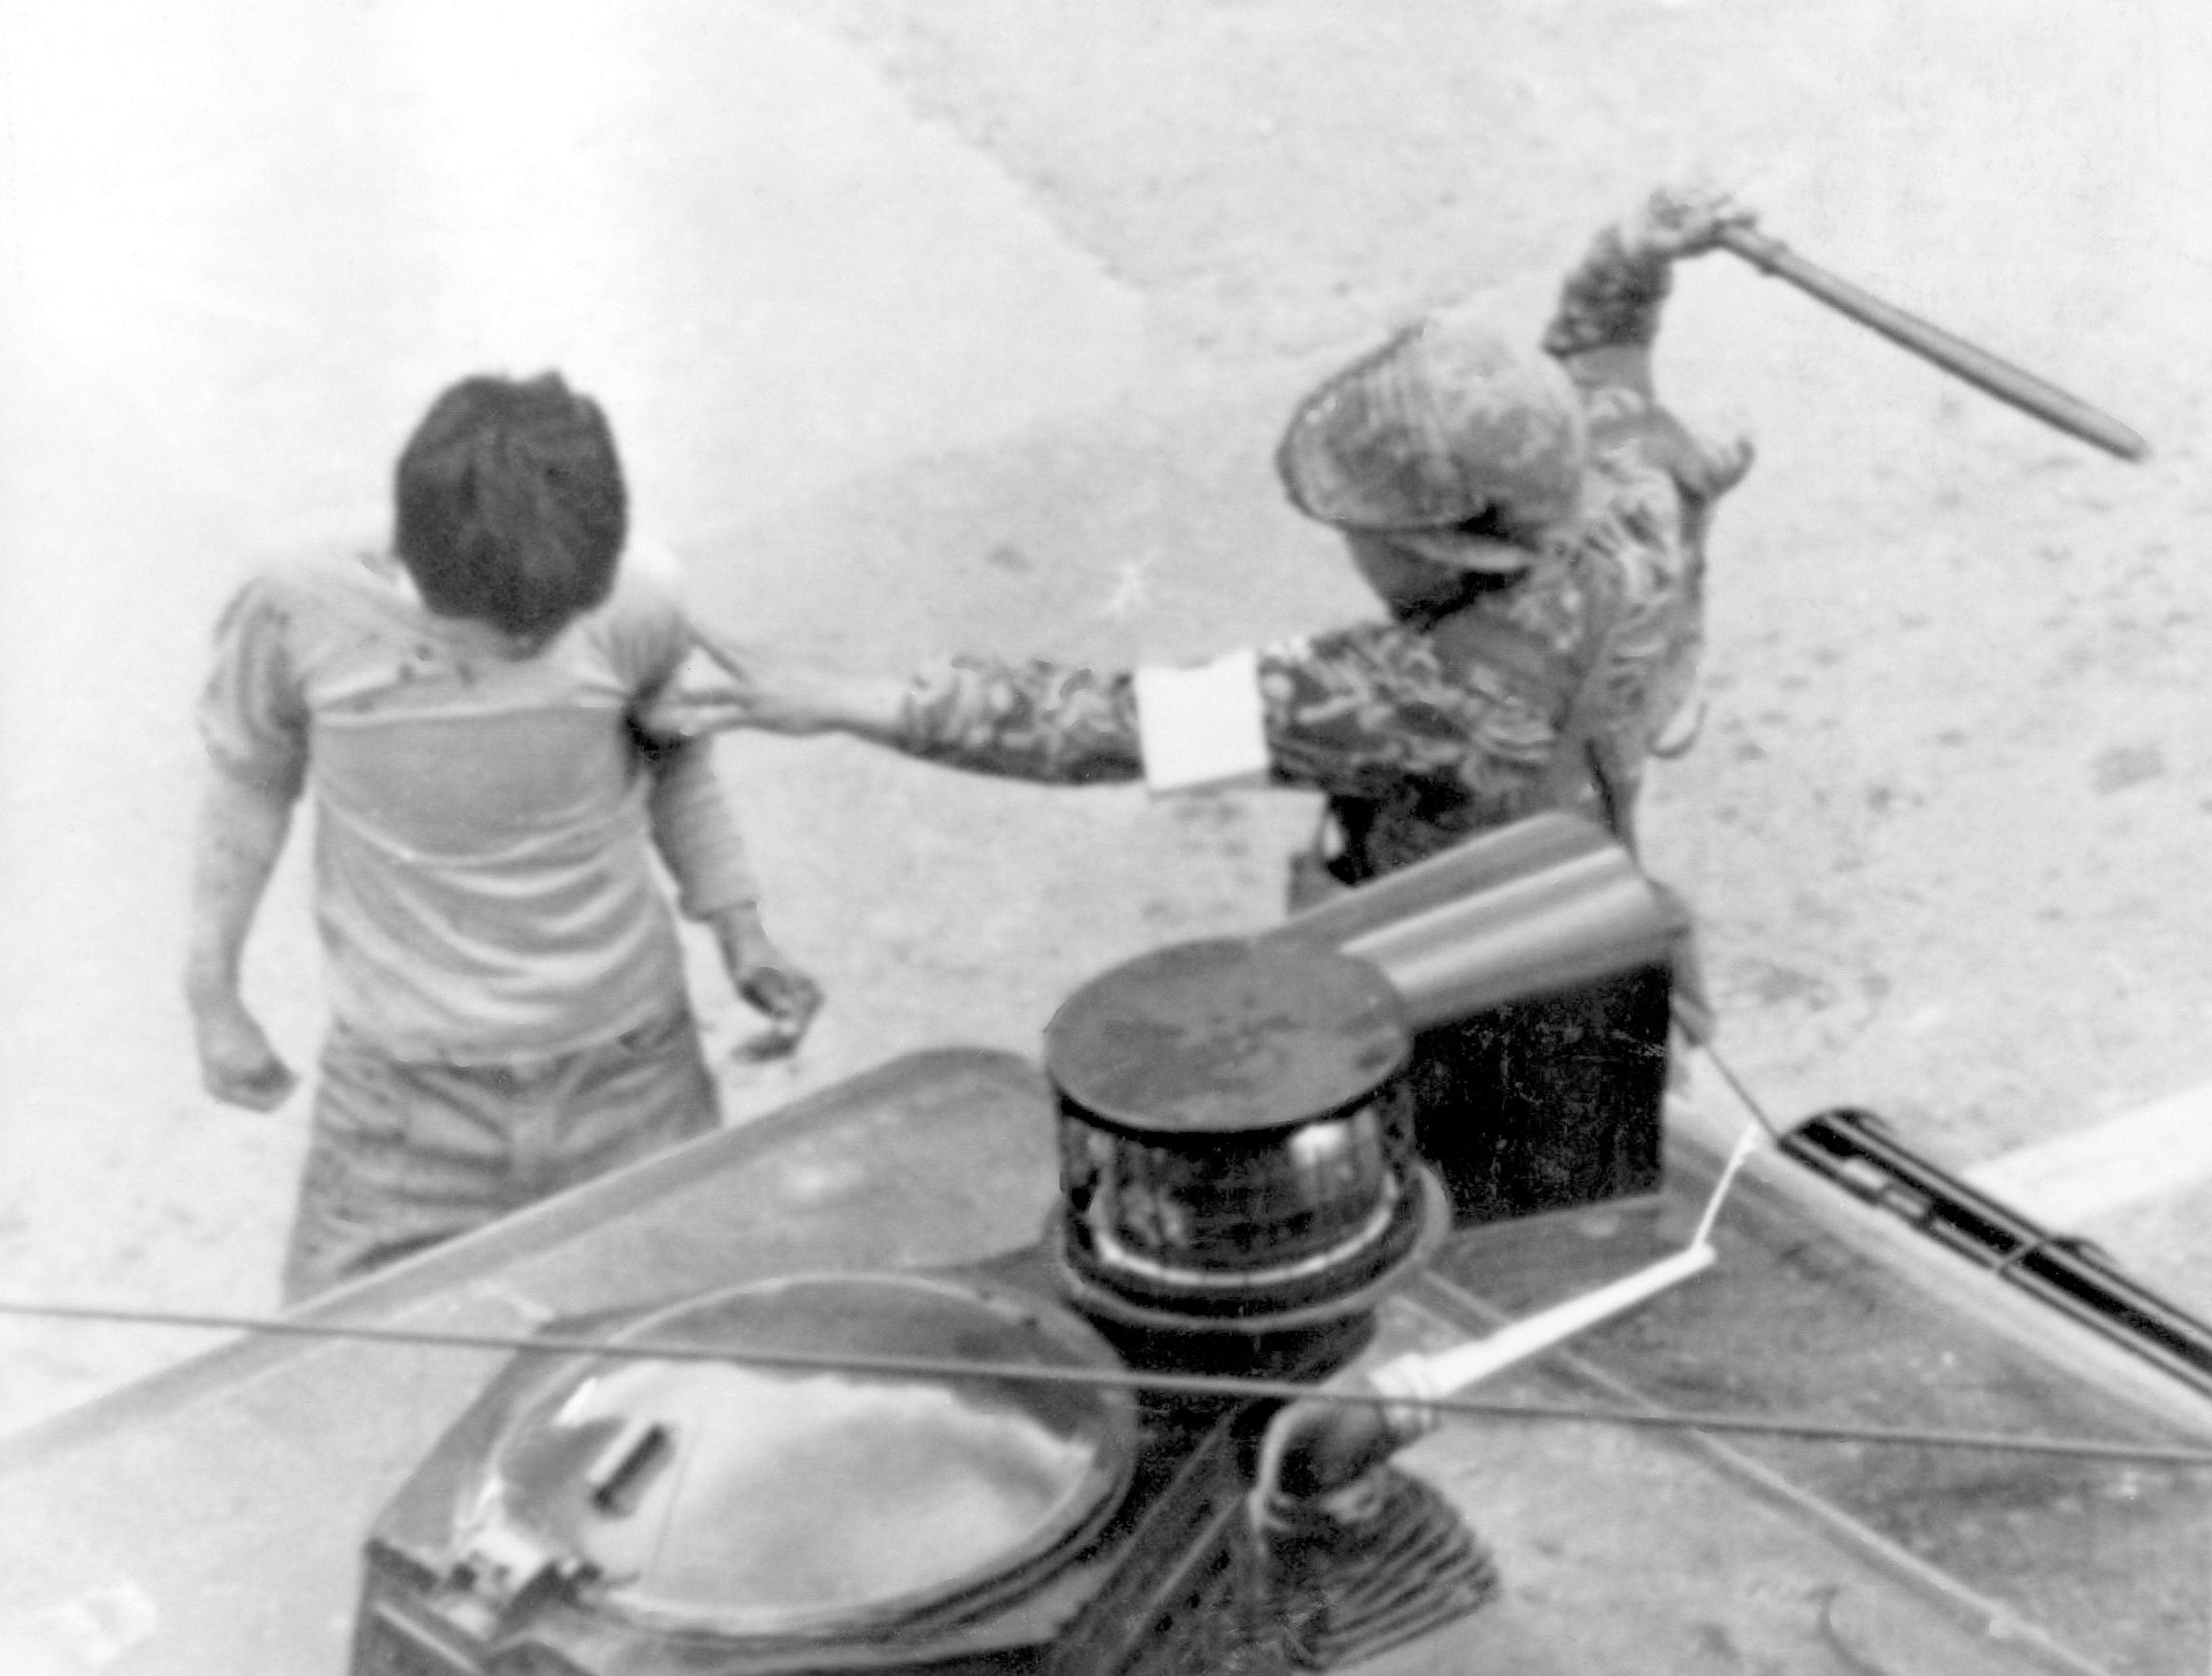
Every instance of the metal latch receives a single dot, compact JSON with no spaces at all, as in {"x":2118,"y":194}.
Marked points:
{"x":500,"y":1563}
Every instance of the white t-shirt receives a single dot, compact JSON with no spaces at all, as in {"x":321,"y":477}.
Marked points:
{"x":484,"y":886}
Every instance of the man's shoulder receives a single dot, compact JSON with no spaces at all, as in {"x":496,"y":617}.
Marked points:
{"x":651,"y":563}
{"x":647,"y":592}
{"x":299,"y":599}
{"x":642,"y":629}
{"x":326,"y":574}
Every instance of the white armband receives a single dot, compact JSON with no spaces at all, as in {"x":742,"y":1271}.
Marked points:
{"x":1202,"y":727}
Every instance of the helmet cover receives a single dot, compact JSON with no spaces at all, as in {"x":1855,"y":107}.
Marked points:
{"x":1443,"y":424}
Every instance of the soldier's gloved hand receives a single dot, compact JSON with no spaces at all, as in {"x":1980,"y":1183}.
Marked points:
{"x":1686,"y":220}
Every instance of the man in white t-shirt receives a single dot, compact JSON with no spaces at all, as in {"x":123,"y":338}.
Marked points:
{"x":509,"y":1014}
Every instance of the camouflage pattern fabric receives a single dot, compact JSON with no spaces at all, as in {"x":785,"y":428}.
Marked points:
{"x":1424,"y":731}
{"x":1444,"y":423}
{"x":1033,"y":720}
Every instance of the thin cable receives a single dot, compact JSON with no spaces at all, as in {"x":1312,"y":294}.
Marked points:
{"x":1196,"y":1385}
{"x":1745,"y":1142}
{"x":1742,"y":1093}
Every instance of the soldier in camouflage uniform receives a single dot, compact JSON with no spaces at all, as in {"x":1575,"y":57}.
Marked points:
{"x":1534,"y":525}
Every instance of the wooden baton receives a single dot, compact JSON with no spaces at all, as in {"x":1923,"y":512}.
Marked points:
{"x":1984,"y":371}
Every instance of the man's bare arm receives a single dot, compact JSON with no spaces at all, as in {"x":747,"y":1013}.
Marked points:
{"x":241,"y":832}
{"x":698,"y":839}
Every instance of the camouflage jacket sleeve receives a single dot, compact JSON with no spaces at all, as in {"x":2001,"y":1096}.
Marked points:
{"x":1351,"y":714}
{"x":1603,"y":333}
{"x":1033,"y":720}
{"x":1639,"y":529}
{"x":1359,"y":711}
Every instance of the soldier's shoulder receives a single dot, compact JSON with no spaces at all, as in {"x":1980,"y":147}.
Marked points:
{"x":1630,"y":500}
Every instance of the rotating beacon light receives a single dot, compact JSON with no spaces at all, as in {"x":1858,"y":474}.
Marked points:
{"x":1236,"y":1147}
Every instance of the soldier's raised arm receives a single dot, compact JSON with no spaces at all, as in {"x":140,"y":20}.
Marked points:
{"x":1609,"y":306}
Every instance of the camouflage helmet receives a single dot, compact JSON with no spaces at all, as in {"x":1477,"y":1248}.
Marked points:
{"x":1444,"y":424}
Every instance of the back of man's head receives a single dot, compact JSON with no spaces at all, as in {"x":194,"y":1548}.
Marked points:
{"x":510,"y":504}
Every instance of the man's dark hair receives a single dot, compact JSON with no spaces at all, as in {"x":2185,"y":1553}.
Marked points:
{"x":510,"y":504}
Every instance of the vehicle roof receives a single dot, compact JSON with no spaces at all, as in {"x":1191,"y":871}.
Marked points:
{"x":226,"y":1500}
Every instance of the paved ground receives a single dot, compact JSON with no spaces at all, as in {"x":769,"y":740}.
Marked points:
{"x":931,"y":325}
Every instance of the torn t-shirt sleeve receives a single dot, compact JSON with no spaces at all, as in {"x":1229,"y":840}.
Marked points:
{"x":648,"y":635}
{"x":252,"y":711}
